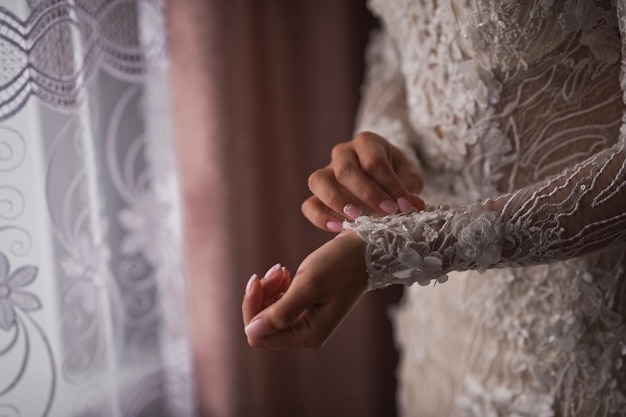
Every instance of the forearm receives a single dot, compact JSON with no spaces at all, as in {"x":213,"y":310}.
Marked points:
{"x":583,"y":209}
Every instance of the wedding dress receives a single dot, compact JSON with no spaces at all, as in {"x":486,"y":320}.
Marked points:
{"x":514,"y":110}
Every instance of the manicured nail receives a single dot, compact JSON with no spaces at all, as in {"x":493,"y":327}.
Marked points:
{"x":334,"y":226}
{"x":404,"y":204}
{"x":270,"y":272}
{"x":388,"y":207}
{"x":250,"y":282}
{"x":351,"y":211}
{"x":258,"y":329}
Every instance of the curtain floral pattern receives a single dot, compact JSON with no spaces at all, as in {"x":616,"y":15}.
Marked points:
{"x":92,"y":294}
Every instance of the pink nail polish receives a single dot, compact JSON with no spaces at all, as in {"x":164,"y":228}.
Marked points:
{"x":250,"y":282}
{"x":404,"y":205}
{"x":334,"y":226}
{"x":270,"y":272}
{"x":351,"y":211}
{"x":258,"y":329}
{"x":388,"y":207}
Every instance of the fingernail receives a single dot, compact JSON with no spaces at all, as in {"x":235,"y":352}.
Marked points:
{"x":388,"y":206}
{"x":270,"y":272}
{"x":351,"y":211}
{"x":404,"y":204}
{"x":334,"y":226}
{"x":250,"y":282}
{"x":258,"y":329}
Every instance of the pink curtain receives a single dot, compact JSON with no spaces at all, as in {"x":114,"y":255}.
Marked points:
{"x":262,"y":90}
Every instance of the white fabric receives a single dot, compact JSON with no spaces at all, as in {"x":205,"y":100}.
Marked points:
{"x":92,"y":294}
{"x":515,"y":112}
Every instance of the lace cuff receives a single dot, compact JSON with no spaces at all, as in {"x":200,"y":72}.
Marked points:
{"x":424,"y":246}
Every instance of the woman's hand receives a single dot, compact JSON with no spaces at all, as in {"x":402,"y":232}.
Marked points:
{"x":365,"y":176}
{"x":305,"y":312}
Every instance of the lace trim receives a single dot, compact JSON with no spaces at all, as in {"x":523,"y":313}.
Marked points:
{"x":33,"y":64}
{"x":424,"y":246}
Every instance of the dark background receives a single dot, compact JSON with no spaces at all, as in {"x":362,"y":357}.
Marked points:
{"x":262,"y":90}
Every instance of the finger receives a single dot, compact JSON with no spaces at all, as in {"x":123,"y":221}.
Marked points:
{"x":252,"y":300}
{"x":352,"y":172}
{"x":410,"y":174}
{"x":321,"y":216}
{"x":272,"y":279}
{"x":278,"y":282}
{"x":325,"y":187}
{"x":261,"y":293}
{"x":282,"y":314}
{"x":375,"y":160}
{"x":269,"y":301}
{"x":417,"y":202}
{"x":311,"y":329}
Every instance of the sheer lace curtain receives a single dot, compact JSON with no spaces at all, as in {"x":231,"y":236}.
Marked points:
{"x":262,"y":91}
{"x":92,"y":297}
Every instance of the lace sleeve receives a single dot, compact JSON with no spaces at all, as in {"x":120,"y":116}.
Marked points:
{"x":383,"y":108}
{"x":580,"y":210}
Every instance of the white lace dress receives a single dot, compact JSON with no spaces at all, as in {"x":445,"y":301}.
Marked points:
{"x":514,"y":110}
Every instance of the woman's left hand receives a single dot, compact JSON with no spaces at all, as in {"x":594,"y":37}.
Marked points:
{"x":303,"y":312}
{"x":367,"y":175}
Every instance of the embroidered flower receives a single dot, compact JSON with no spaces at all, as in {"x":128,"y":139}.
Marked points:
{"x":86,"y":263}
{"x":83,"y":267}
{"x":144,"y":223}
{"x":478,"y":235}
{"x":502,"y":401}
{"x":422,"y":269}
{"x":532,"y":404}
{"x":603,"y":39}
{"x":12,"y":296}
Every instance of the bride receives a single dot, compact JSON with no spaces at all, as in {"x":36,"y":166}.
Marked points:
{"x":507,"y":118}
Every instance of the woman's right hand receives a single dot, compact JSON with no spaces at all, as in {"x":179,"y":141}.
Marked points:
{"x":367,"y":176}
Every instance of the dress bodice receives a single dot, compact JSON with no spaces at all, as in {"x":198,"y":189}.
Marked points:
{"x":506,"y":93}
